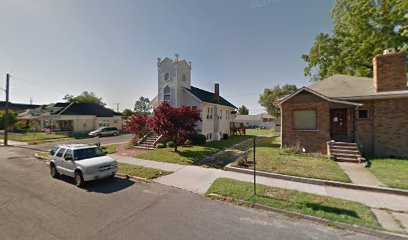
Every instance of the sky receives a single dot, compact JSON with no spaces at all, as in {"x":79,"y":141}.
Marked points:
{"x":57,"y":47}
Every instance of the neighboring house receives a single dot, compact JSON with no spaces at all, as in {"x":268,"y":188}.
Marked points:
{"x":372,"y":112}
{"x":74,"y":117}
{"x":174,"y":86}
{"x":18,"y":107}
{"x":262,"y":120}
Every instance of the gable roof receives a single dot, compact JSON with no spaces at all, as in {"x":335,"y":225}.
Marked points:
{"x":82,"y":109}
{"x":208,"y":97}
{"x":349,"y":87}
{"x":317,"y":94}
{"x":18,"y":106}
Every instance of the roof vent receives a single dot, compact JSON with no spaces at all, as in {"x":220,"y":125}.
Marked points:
{"x":388,"y":51}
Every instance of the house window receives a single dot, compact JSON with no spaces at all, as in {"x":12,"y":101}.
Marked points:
{"x":363,"y":114}
{"x":166,"y":93}
{"x":209,"y":136}
{"x":166,"y":76}
{"x":209,"y":113}
{"x":220,"y":113}
{"x":227,"y":114}
{"x":184,"y":78}
{"x":304,"y":119}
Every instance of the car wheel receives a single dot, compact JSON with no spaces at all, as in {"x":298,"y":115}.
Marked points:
{"x":115,"y":134}
{"x":98,"y":135}
{"x":79,"y":180}
{"x":53,"y":171}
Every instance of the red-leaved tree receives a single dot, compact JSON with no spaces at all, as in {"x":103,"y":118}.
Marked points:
{"x":174,"y":123}
{"x":137,"y":124}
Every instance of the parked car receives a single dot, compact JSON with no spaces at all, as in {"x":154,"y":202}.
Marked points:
{"x":105,"y":131}
{"x":82,"y":162}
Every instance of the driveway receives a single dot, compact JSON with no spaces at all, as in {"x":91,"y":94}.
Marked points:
{"x":35,"y":206}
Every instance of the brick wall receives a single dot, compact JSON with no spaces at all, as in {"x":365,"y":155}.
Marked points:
{"x":385,"y":133}
{"x":390,"y":72}
{"x":311,"y":140}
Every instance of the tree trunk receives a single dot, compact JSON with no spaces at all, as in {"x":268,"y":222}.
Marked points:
{"x":175,"y":147}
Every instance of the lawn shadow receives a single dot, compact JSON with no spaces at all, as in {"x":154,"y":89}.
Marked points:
{"x":105,"y":186}
{"x":194,"y":155}
{"x":337,"y":211}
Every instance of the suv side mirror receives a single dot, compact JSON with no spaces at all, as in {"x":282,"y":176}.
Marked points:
{"x":68,"y":158}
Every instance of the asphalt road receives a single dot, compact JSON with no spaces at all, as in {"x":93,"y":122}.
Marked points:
{"x":35,"y":206}
{"x":102,"y":140}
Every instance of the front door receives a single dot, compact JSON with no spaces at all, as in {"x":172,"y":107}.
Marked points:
{"x":338,"y":124}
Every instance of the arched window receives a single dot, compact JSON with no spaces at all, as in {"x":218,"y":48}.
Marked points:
{"x":166,"y":93}
{"x":184,"y":78}
{"x":166,"y":76}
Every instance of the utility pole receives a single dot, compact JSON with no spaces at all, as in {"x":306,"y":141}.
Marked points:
{"x":31,"y":101}
{"x":117,"y":107}
{"x":6,"y":110}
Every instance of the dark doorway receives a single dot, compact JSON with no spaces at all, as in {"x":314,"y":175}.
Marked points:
{"x":338,"y":124}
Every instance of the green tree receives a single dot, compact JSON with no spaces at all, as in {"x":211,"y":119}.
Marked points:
{"x":243,"y":110}
{"x":361,"y":30}
{"x":127,"y":113}
{"x":85,"y":97}
{"x":12,"y":119}
{"x":142,"y":105}
{"x":270,"y":95}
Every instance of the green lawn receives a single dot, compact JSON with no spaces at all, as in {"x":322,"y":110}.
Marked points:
{"x":270,"y":158}
{"x":262,"y":132}
{"x":143,"y":172}
{"x":33,"y":137}
{"x":188,"y":155}
{"x":110,"y":148}
{"x":333,"y":209}
{"x":391,"y":172}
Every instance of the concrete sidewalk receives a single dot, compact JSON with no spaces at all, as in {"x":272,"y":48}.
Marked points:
{"x":359,"y":174}
{"x":199,"y":179}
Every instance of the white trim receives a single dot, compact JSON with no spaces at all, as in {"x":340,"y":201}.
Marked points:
{"x":319,"y":95}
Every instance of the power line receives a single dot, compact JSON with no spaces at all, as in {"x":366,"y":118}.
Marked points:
{"x":38,"y":84}
{"x":243,"y":94}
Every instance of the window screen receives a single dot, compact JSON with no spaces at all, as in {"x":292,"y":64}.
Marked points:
{"x":363,"y":114}
{"x":304,"y":120}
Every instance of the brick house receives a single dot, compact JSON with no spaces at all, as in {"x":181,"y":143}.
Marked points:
{"x":345,"y":116}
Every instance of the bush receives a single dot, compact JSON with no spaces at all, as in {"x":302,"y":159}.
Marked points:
{"x":128,"y":145}
{"x":292,"y":150}
{"x":160,"y":145}
{"x":170,"y":144}
{"x":188,"y":142}
{"x":197,"y":139}
{"x":243,"y":160}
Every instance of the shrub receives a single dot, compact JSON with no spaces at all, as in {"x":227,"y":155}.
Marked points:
{"x":198,"y":139}
{"x":243,"y":160}
{"x":292,"y":150}
{"x":170,"y":144}
{"x":159,"y":145}
{"x":128,"y":145}
{"x":188,"y":142}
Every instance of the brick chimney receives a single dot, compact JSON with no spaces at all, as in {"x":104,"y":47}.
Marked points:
{"x":390,"y":71}
{"x":217,"y":93}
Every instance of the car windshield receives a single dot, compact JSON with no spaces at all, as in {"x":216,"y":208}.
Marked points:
{"x":100,"y":129}
{"x":85,"y":153}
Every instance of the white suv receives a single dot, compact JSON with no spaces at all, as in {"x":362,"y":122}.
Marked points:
{"x":83,"y":162}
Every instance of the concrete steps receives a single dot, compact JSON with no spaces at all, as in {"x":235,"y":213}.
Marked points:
{"x":148,"y":142}
{"x":345,"y":152}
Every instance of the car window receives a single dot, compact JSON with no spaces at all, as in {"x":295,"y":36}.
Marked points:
{"x":80,"y":154}
{"x":69,"y":153}
{"x":60,"y":152}
{"x":54,"y":150}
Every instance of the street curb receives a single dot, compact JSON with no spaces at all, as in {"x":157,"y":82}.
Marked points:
{"x":345,"y":226}
{"x":39,"y":157}
{"x":320,"y":182}
{"x":125,"y":176}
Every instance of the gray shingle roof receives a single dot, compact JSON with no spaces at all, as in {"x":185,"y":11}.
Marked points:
{"x":207,"y":96}
{"x":343,"y":86}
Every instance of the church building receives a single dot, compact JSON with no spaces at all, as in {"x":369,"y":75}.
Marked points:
{"x":174,"y":86}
